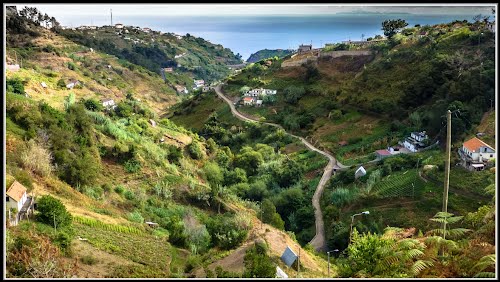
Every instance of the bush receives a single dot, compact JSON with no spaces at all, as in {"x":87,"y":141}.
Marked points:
{"x":129,"y":195}
{"x":37,"y":159}
{"x":119,"y":189}
{"x":194,"y":150}
{"x":15,"y":86}
{"x":52,"y":211}
{"x":132,"y":166}
{"x":135,"y":217}
{"x":93,"y":105}
{"x":61,"y":83}
{"x":88,"y":260}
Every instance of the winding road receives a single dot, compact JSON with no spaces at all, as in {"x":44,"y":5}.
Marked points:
{"x":318,"y":242}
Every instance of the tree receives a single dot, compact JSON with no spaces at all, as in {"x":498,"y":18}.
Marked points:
{"x":15,"y":85}
{"x":61,"y":83}
{"x":391,"y":27}
{"x":93,"y":105}
{"x":194,"y":150}
{"x":293,"y":93}
{"x":269,"y":215}
{"x":257,"y":263}
{"x":53,"y":212}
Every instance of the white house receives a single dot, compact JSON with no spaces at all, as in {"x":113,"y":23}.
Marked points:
{"x":108,"y":103}
{"x":146,"y":29}
{"x":475,"y":154}
{"x":280,"y":273}
{"x":15,"y":200}
{"x":13,"y":68}
{"x":119,"y":25}
{"x":43,"y":84}
{"x":248,"y":101}
{"x":258,"y":103}
{"x":360,"y":172}
{"x":269,"y":92}
{"x":72,"y":84}
{"x":491,"y":26}
{"x":181,"y":89}
{"x":416,"y":141}
{"x":205,"y":89}
{"x":199,"y":83}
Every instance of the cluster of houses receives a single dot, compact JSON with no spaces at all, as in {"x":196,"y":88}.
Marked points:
{"x":254,"y":96}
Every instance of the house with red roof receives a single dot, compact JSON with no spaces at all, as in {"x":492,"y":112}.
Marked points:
{"x":475,"y":154}
{"x":17,"y":201}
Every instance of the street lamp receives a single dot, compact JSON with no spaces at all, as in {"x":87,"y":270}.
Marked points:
{"x":352,"y":220}
{"x":336,"y":250}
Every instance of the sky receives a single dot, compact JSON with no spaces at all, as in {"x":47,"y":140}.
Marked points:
{"x":62,"y":11}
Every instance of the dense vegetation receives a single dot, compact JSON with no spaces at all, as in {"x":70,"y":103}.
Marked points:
{"x":267,"y":53}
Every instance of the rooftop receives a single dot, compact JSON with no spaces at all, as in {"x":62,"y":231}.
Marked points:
{"x":475,"y":143}
{"x":16,"y":191}
{"x":383,"y":152}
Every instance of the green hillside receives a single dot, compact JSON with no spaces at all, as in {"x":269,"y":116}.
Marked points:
{"x":267,"y":53}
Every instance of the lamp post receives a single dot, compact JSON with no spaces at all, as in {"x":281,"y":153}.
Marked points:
{"x":336,"y":250}
{"x":352,"y":220}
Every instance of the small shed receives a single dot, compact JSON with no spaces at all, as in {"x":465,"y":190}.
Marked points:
{"x":153,"y":123}
{"x":152,"y":224}
{"x":258,"y":103}
{"x":360,"y":172}
{"x":280,"y":273}
{"x":43,"y":84}
{"x":288,"y":256}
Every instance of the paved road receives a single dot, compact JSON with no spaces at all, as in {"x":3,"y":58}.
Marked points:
{"x":318,"y":242}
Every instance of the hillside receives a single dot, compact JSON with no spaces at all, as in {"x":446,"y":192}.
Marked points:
{"x":268,"y":53}
{"x":189,"y":56}
{"x":114,"y":169}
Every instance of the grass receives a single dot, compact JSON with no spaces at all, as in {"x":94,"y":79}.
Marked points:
{"x":143,"y":249}
{"x":399,"y":184}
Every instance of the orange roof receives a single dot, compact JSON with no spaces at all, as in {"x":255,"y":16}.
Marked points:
{"x":247,"y":99}
{"x":474,"y":144}
{"x":16,"y":191}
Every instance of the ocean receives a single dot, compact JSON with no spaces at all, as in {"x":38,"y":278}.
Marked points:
{"x":248,"y":34}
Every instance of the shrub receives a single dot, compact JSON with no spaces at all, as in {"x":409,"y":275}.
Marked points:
{"x":15,"y":86}
{"x":71,"y":66}
{"x":52,"y":211}
{"x":194,"y":150}
{"x":132,"y":166}
{"x":119,"y":189}
{"x":61,"y":83}
{"x":93,"y":105}
{"x":129,"y":195}
{"x":135,"y":217}
{"x":37,"y":159}
{"x":88,"y":260}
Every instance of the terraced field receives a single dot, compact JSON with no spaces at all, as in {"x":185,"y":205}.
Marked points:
{"x":398,"y":185}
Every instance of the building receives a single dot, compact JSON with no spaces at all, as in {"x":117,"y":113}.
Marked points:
{"x":199,"y":83}
{"x":146,"y":30}
{"x":258,"y":103}
{"x":153,"y":123}
{"x":13,"y":68}
{"x":280,"y":273}
{"x":18,"y":202}
{"x":381,"y":154}
{"x":72,"y":84}
{"x":475,"y":154}
{"x":491,"y":26}
{"x":168,"y":69}
{"x":43,"y":84}
{"x":415,"y":142}
{"x":248,"y":101}
{"x":108,"y":103}
{"x":205,"y":89}
{"x":119,"y":25}
{"x":181,"y":89}
{"x":304,"y":48}
{"x":360,"y":172}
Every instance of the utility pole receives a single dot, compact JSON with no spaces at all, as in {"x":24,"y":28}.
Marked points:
{"x":447,"y":168}
{"x":298,"y":264}
{"x":111,"y":11}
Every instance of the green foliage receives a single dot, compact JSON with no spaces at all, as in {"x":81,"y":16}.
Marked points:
{"x":269,"y":215}
{"x":292,"y":94}
{"x":53,"y":212}
{"x":93,"y":105}
{"x":94,"y":223}
{"x":88,"y":260}
{"x":390,"y":27}
{"x":227,"y":231}
{"x":132,"y":166}
{"x":119,"y":189}
{"x":258,"y":264}
{"x":135,"y":216}
{"x":194,"y":150}
{"x":15,"y":85}
{"x":61,"y":83}
{"x":213,"y":174}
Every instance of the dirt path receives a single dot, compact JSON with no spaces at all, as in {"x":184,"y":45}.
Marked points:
{"x":318,"y":242}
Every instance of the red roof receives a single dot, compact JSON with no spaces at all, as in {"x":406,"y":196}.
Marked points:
{"x":474,"y":144}
{"x":16,"y":191}
{"x":383,"y":152}
{"x":248,"y":99}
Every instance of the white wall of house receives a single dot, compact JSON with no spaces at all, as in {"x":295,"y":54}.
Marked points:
{"x":410,"y":146}
{"x":484,"y":154}
{"x":17,"y":205}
